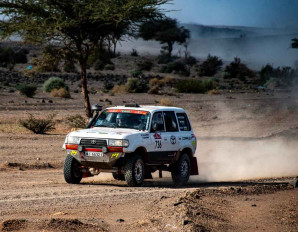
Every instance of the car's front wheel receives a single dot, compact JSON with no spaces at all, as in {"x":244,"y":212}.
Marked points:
{"x":71,"y":170}
{"x":181,"y":170}
{"x":134,"y":171}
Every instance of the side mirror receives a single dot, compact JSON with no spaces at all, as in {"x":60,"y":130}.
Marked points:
{"x":154,"y":126}
{"x":96,"y":107}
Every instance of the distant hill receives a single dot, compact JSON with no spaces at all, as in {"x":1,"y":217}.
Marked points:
{"x":199,"y":31}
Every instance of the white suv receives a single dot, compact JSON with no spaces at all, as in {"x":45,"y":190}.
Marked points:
{"x":132,"y":142}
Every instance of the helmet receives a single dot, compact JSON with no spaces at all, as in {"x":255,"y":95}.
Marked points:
{"x":122,"y":119}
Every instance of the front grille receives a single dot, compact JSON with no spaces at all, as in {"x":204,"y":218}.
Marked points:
{"x":90,"y":142}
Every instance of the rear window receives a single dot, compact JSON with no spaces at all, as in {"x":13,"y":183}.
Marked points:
{"x":183,"y":122}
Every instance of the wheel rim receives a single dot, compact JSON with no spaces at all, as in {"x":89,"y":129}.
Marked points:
{"x":139,"y":170}
{"x":184,"y":168}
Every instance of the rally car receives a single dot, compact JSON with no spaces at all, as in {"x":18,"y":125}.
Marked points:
{"x":132,"y":142}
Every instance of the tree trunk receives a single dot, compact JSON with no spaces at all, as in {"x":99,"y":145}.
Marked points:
{"x":170,"y":47}
{"x":85,"y":94}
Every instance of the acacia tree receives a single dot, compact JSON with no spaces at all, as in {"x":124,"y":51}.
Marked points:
{"x":165,"y":30}
{"x":75,"y":27}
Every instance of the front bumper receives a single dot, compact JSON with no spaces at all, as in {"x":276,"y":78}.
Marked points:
{"x":105,"y":161}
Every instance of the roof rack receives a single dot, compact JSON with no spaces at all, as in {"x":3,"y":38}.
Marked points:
{"x":131,"y":105}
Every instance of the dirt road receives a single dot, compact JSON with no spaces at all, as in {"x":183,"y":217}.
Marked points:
{"x":240,"y":137}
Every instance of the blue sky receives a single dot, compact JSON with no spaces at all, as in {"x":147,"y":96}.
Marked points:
{"x":256,"y":13}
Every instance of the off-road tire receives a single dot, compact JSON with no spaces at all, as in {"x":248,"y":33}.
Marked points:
{"x":134,"y":171}
{"x":181,"y":170}
{"x":118,"y":176}
{"x":72,"y":174}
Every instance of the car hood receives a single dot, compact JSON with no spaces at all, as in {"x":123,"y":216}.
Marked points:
{"x":104,"y":133}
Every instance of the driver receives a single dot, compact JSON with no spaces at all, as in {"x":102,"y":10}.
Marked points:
{"x":122,"y":120}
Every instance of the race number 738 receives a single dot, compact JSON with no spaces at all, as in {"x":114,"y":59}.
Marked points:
{"x":158,"y":144}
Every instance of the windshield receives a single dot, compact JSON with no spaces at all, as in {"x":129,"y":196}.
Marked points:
{"x":118,"y":118}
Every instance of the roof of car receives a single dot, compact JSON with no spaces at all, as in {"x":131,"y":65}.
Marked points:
{"x":149,"y":108}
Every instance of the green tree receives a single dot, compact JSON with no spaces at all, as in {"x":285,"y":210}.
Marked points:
{"x":166,"y":31}
{"x":295,"y":43}
{"x":77,"y":27}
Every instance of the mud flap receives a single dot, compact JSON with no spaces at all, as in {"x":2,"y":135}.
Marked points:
{"x":194,"y":166}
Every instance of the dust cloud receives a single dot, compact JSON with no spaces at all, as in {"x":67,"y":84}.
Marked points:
{"x":250,"y":139}
{"x":230,"y":160}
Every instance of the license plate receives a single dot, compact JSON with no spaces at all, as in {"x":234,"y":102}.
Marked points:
{"x":92,"y":153}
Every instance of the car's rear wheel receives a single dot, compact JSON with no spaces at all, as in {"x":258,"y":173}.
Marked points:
{"x":118,"y":176}
{"x":71,"y":170}
{"x":181,"y":170}
{"x":134,"y":171}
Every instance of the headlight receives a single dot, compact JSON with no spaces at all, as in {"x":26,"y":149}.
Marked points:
{"x":118,"y":143}
{"x":73,"y":140}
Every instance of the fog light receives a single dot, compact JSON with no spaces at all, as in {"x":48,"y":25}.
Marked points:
{"x":80,"y":148}
{"x":104,"y":149}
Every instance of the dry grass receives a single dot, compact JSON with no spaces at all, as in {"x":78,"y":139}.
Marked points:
{"x":120,"y":89}
{"x":214,"y":92}
{"x":165,"y":102}
{"x":62,"y":92}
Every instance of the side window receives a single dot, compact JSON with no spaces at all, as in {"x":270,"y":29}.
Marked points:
{"x":183,"y":122}
{"x":170,"y":121}
{"x":158,"y":120}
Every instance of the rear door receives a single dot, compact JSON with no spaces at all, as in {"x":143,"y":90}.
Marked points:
{"x":171,"y":134}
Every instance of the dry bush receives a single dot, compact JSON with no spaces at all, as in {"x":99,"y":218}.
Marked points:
{"x":213,"y":92}
{"x":39,"y":126}
{"x":120,"y":89}
{"x":154,"y":90}
{"x":62,"y":92}
{"x":165,"y":102}
{"x":154,"y":82}
{"x":76,"y":121}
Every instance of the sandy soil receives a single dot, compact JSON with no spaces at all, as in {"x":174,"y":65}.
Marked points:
{"x":247,"y":152}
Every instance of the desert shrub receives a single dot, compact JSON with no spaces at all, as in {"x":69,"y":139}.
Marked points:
{"x":21,"y":56}
{"x":69,"y":67}
{"x":54,"y":83}
{"x":134,"y":52}
{"x":164,"y":58}
{"x":99,"y":55}
{"x":98,"y":65}
{"x":49,"y":60}
{"x":144,"y":65}
{"x":165,"y":102}
{"x":62,"y":92}
{"x":133,"y":84}
{"x":286,"y":75}
{"x":6,"y":56}
{"x":178,"y":67}
{"x":155,"y":85}
{"x":238,"y":70}
{"x":154,"y":82}
{"x":153,"y":89}
{"x":76,"y":121}
{"x":28,"y":90}
{"x":194,"y":86}
{"x":136,"y":73}
{"x":39,"y":126}
{"x":210,"y":66}
{"x":108,"y":85}
{"x":213,"y":92}
{"x":109,"y":67}
{"x":120,"y":89}
{"x":190,"y":60}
